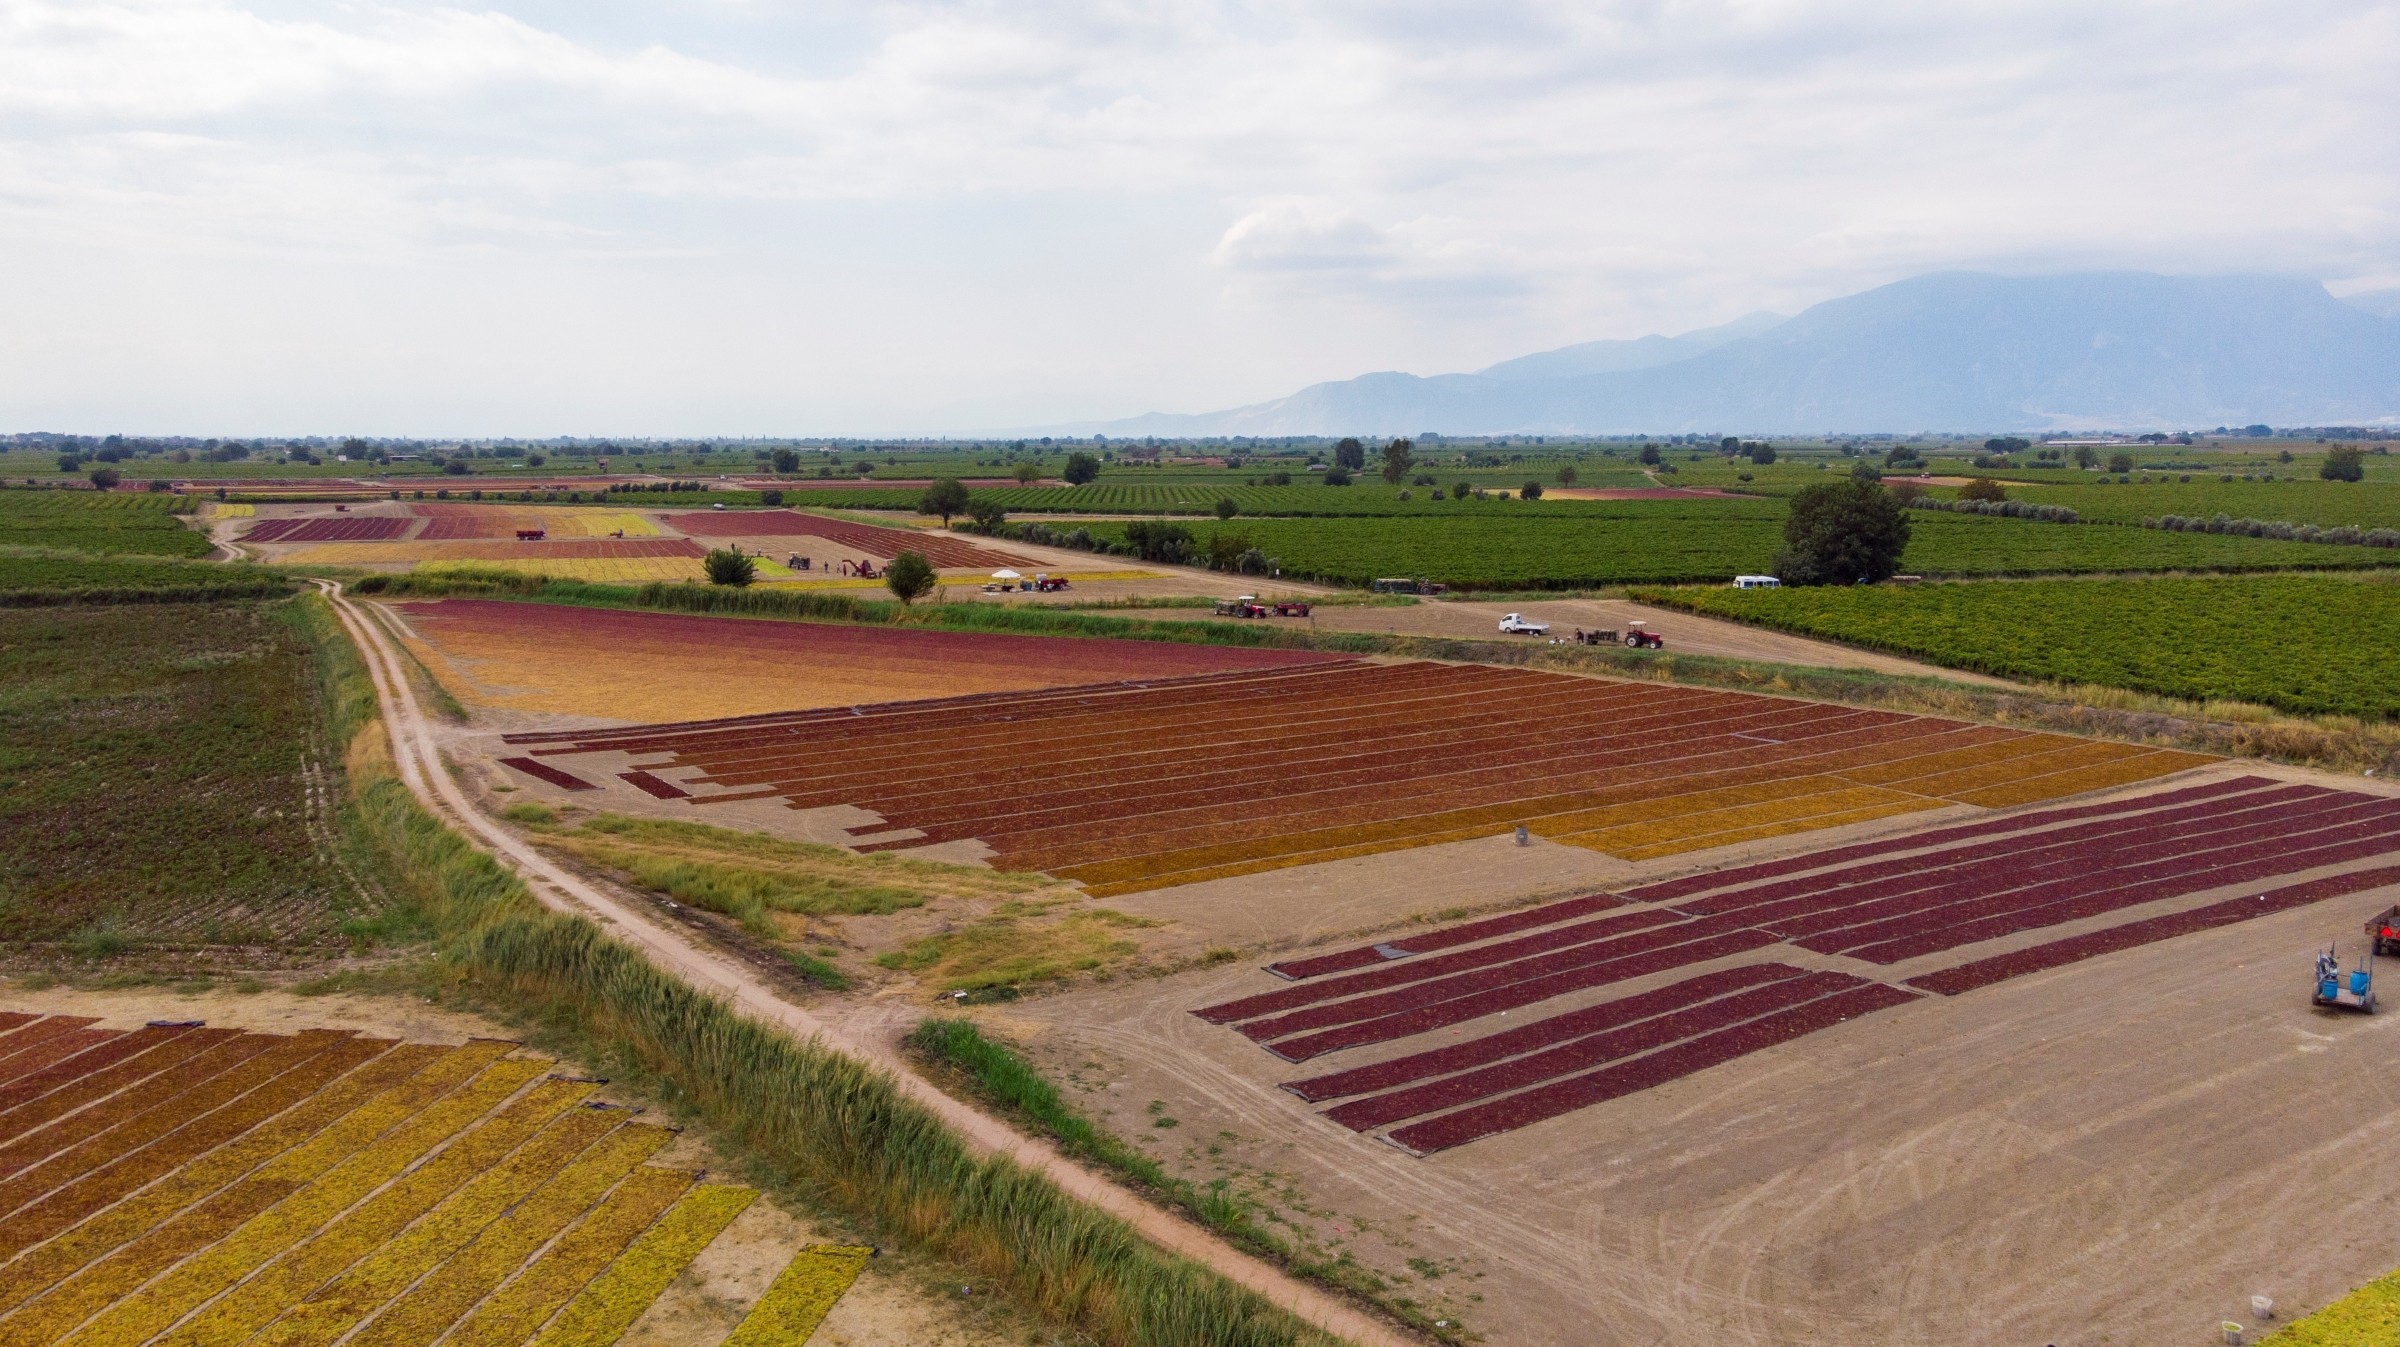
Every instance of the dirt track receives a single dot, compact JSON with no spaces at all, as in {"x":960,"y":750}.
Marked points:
{"x":2120,"y":1151}
{"x":422,"y":768}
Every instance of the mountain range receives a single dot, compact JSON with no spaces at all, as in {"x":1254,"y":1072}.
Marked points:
{"x":1949,"y":351}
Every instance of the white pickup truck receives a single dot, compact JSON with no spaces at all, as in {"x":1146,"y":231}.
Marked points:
{"x":1513,"y":625}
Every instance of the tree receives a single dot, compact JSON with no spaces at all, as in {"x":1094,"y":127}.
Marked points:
{"x":988,"y":515}
{"x":1863,"y":471}
{"x":104,"y":478}
{"x":1337,"y":476}
{"x":1842,"y":533}
{"x":1461,"y":490}
{"x":1650,"y":456}
{"x":1153,"y":540}
{"x":1566,"y":475}
{"x":1762,"y":452}
{"x":456,"y":467}
{"x":69,"y":463}
{"x":2007,"y":444}
{"x":910,"y":577}
{"x":770,"y":496}
{"x":1227,"y":508}
{"x":787,"y":460}
{"x":1982,"y":488}
{"x":946,"y":497}
{"x":2120,"y":463}
{"x":1349,"y":453}
{"x":727,"y":566}
{"x":1081,"y":469}
{"x":1398,"y":457}
{"x":535,"y":460}
{"x":1903,"y":456}
{"x":1531,"y":491}
{"x":1729,"y":446}
{"x":1029,"y":473}
{"x":2086,"y":456}
{"x":2342,"y":464}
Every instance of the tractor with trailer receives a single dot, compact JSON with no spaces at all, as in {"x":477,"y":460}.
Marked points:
{"x":1245,"y":606}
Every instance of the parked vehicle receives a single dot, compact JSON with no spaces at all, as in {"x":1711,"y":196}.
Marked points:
{"x":1756,"y":582}
{"x":1516,"y":625}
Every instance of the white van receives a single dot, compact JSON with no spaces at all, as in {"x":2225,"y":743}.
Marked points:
{"x":1756,"y":582}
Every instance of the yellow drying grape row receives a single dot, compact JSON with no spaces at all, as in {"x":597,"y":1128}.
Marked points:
{"x":376,"y":1243}
{"x":2138,"y":766}
{"x":108,"y":1256}
{"x":143,"y":1314}
{"x":305,"y":1261}
{"x":1899,"y":771}
{"x":802,"y":1296}
{"x":2058,"y":756}
{"x":529,"y":1300}
{"x":1811,"y":823}
{"x":223,"y":509}
{"x":501,"y":1248}
{"x":617,"y":1297}
{"x":1807,"y":798}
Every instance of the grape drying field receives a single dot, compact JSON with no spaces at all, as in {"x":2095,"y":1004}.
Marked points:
{"x":186,"y":1184}
{"x":1176,"y":781}
{"x":1915,"y":899}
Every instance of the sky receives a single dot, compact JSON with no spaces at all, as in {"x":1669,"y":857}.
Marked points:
{"x":738,"y":217}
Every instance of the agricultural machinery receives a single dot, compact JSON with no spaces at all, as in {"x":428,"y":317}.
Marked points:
{"x":2337,"y":990}
{"x":1245,"y":606}
{"x":1290,"y":608}
{"x":1638,"y":636}
{"x":532,"y":535}
{"x":2383,"y":930}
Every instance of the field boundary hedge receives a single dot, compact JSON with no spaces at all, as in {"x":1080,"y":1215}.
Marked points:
{"x":839,"y":1130}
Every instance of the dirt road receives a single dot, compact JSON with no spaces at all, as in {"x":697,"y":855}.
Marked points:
{"x":421,"y":767}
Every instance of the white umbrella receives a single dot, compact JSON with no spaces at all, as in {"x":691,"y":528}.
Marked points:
{"x":1006,"y":575}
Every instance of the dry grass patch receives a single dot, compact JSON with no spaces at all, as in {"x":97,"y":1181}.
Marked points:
{"x":1020,"y":943}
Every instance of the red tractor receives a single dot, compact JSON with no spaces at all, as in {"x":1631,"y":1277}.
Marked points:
{"x":2384,"y":930}
{"x":1638,"y":636}
{"x":1245,"y":606}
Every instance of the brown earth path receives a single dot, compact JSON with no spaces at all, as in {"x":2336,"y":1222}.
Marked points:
{"x":427,"y":776}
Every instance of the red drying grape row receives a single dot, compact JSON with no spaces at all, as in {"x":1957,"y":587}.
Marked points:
{"x":2009,"y":922}
{"x":1423,"y":1018}
{"x":48,"y":1048}
{"x":2156,"y":875}
{"x":542,"y":771}
{"x":2081,"y":867}
{"x":1491,"y":1048}
{"x":1668,"y":890}
{"x":872,"y":539}
{"x":357,"y":529}
{"x":1374,"y":1111}
{"x":654,"y":786}
{"x":13,"y":1020}
{"x":1779,"y":893}
{"x":1582,"y":933}
{"x":159,"y":1092}
{"x":2075,"y":949}
{"x":1426,"y":943}
{"x":33,"y":1100}
{"x":1510,"y":1112}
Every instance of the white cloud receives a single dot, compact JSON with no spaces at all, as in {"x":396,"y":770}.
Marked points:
{"x":1106,"y":205}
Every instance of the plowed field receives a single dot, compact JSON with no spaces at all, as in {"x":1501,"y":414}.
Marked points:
{"x":649,"y":666}
{"x":1904,"y":898}
{"x":1125,"y":789}
{"x":184,"y":1184}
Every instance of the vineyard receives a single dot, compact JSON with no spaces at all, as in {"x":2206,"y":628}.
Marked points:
{"x":1142,"y":788}
{"x":1911,"y":898}
{"x":1643,"y":542}
{"x":2364,"y":505}
{"x":178,"y":1183}
{"x":97,"y":521}
{"x":2296,"y":642}
{"x":663,"y":666}
{"x":30,"y":577}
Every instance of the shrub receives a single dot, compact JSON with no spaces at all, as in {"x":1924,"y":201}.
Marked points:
{"x":1276,"y":479}
{"x":727,"y":566}
{"x":1982,"y":488}
{"x":69,"y":463}
{"x":1651,"y":456}
{"x":770,"y":497}
{"x":1762,"y":453}
{"x":1081,"y":469}
{"x":1842,"y":533}
{"x":2120,"y":463}
{"x":456,"y":467}
{"x":104,"y":478}
{"x":1337,"y":476}
{"x":2342,"y":464}
{"x":1461,"y":490}
{"x":1227,"y":508}
{"x":1531,"y":491}
{"x":910,"y":577}
{"x":1152,"y":540}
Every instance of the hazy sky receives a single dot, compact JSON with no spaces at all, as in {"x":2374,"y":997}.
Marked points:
{"x":734,"y":217}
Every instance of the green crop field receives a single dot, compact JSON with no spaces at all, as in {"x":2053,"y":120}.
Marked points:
{"x":30,"y":576}
{"x":1518,"y":545}
{"x":2310,"y":643}
{"x":100,"y":521}
{"x":154,"y":763}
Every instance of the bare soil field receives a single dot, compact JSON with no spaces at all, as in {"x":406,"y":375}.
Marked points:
{"x":2120,"y":1150}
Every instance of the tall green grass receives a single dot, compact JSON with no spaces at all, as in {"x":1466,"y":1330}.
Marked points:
{"x":837,"y":1129}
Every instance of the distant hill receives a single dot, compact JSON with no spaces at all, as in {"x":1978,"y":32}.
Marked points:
{"x":1957,"y":351}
